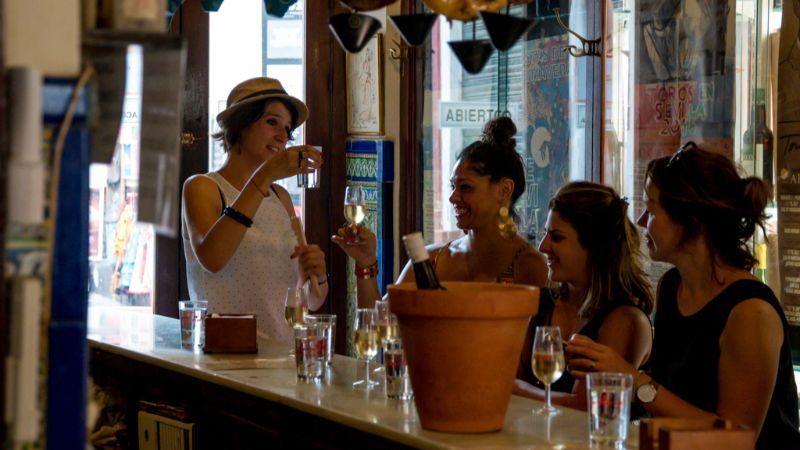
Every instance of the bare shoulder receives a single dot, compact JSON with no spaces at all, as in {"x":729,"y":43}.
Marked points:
{"x":751,"y":315}
{"x":530,"y":266}
{"x":435,"y":249}
{"x":199,"y":183}
{"x":625,"y":316}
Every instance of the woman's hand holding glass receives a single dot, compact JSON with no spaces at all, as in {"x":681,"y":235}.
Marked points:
{"x":365,"y":342}
{"x":547,"y":361}
{"x":362,"y":249}
{"x":588,"y":356}
{"x":292,"y":161}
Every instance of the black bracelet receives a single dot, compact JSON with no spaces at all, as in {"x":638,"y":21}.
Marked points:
{"x":237,"y":216}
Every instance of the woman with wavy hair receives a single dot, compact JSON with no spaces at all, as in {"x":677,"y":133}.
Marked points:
{"x":592,"y":252}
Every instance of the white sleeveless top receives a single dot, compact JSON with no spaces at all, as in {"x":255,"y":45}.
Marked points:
{"x":256,"y":278}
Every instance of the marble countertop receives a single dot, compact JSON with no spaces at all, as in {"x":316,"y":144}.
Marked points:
{"x":271,"y":375}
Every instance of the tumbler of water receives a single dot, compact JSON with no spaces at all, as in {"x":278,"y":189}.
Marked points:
{"x":192,"y":314}
{"x":397,"y":383}
{"x":609,"y":397}
{"x":326,"y":327}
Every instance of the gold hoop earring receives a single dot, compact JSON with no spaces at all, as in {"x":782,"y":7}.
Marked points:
{"x":505,"y":224}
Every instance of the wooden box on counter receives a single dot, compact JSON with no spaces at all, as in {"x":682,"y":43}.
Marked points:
{"x":231,"y":333}
{"x":668,"y":433}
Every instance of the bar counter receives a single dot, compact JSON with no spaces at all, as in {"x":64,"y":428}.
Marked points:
{"x":261,"y":396}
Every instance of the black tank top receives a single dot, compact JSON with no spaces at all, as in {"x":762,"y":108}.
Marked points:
{"x":686,"y":356}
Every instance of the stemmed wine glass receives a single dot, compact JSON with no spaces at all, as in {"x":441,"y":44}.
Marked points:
{"x":365,"y":342}
{"x":354,"y":208}
{"x":295,"y":309}
{"x":548,"y":363}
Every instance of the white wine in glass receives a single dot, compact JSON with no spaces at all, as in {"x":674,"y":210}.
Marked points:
{"x":547,"y":363}
{"x":295,"y":315}
{"x":355,"y":204}
{"x":365,"y":342}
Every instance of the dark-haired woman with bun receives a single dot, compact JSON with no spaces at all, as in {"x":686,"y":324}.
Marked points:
{"x":487,"y":181}
{"x":721,"y":346}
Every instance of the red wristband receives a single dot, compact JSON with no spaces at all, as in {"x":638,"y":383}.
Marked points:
{"x":370,"y":271}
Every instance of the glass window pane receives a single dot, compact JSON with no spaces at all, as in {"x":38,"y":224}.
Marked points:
{"x":121,"y":250}
{"x":244,"y":42}
{"x":535,"y":83}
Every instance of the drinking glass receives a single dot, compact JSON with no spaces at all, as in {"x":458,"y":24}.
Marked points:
{"x":365,"y":342}
{"x":309,"y":180}
{"x":354,"y":208}
{"x":382,"y":321}
{"x":295,"y":309}
{"x":547,"y":363}
{"x":609,"y":396}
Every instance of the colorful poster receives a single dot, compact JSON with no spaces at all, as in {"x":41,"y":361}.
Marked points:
{"x":685,"y":76}
{"x":788,"y":161}
{"x":545,"y":128}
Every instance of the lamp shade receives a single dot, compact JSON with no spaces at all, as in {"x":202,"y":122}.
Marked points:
{"x":504,"y":30}
{"x":414,"y":28}
{"x":353,"y":31}
{"x":473,"y":55}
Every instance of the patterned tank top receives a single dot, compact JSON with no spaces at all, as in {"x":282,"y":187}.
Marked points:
{"x":256,"y":278}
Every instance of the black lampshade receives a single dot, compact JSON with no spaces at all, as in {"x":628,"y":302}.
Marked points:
{"x":504,"y":30}
{"x":353,"y":31}
{"x":473,"y":55}
{"x":414,"y":28}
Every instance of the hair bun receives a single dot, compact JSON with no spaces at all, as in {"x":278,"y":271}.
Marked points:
{"x":500,"y":131}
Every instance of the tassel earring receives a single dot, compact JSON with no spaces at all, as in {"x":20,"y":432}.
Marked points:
{"x":506,"y":225}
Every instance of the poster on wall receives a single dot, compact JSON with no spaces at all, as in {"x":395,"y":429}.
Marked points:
{"x":788,"y":161}
{"x":545,"y":128}
{"x":685,"y":76}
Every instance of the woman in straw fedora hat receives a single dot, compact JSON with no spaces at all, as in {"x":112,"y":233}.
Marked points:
{"x":237,"y":232}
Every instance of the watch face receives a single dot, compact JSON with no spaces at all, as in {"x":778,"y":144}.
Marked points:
{"x":646,"y":393}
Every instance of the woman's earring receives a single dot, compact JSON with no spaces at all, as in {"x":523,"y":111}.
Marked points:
{"x":506,"y":225}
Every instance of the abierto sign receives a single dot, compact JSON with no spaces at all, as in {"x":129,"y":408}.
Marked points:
{"x":473,"y":114}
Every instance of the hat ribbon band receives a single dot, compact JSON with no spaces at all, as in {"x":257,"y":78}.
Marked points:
{"x":259,"y":93}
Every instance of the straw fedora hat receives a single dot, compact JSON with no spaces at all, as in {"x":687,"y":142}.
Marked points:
{"x":261,"y":88}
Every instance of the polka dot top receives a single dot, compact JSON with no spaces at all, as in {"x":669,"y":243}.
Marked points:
{"x":256,"y":278}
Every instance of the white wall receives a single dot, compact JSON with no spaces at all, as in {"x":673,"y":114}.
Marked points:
{"x":45,"y":34}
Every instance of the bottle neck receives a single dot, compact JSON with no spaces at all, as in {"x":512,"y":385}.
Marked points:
{"x":761,"y":114}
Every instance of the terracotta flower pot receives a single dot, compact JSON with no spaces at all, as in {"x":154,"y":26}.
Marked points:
{"x":463,"y":347}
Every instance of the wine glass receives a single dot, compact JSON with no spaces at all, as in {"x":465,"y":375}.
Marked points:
{"x":365,"y":342}
{"x":354,"y":209}
{"x":548,"y":363}
{"x":295,"y":309}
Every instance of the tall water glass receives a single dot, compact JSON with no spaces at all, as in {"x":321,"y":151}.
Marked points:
{"x":326,"y":327}
{"x":309,"y":180}
{"x":365,"y":342}
{"x":382,"y":318}
{"x":309,"y":353}
{"x":547,"y":363}
{"x":192,"y":314}
{"x":609,"y":397}
{"x":397,"y":383}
